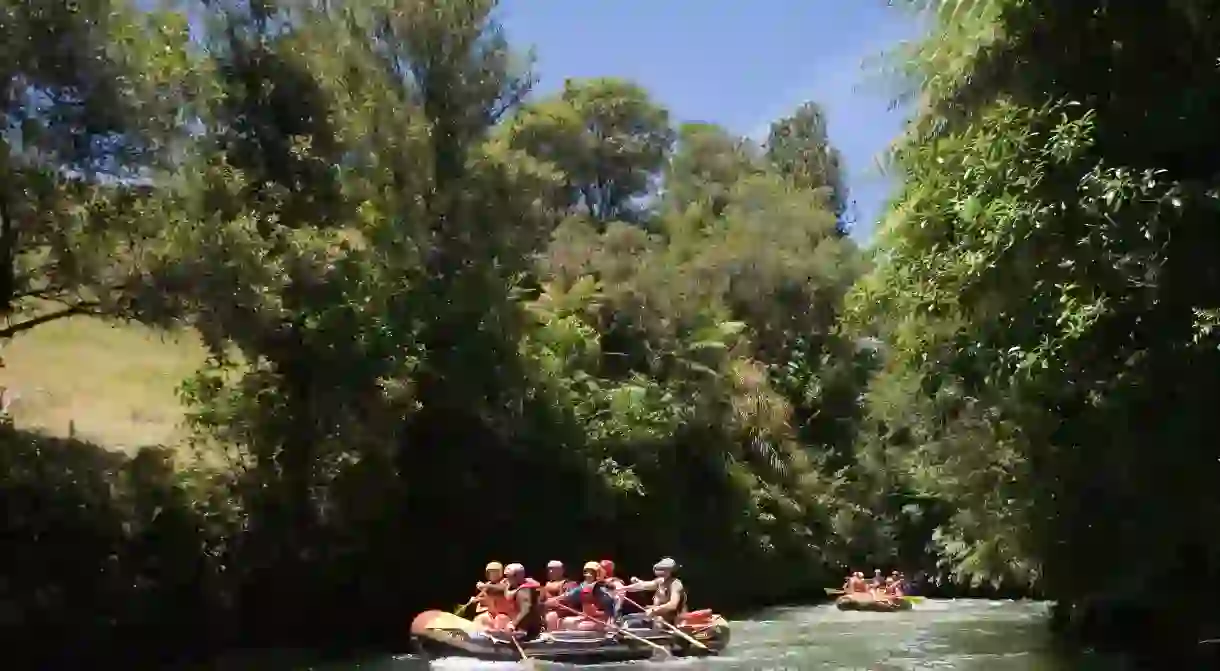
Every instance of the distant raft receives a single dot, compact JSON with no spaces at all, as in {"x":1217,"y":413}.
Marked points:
{"x":867,"y":602}
{"x":439,"y":634}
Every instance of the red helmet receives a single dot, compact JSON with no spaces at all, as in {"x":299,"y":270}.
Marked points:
{"x":607,"y":567}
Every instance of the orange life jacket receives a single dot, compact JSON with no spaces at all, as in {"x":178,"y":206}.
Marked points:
{"x":498,"y":603}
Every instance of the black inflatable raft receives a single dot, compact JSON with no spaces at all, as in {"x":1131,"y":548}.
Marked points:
{"x":439,"y":634}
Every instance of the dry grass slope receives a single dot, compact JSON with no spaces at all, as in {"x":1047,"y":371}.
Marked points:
{"x":116,"y":384}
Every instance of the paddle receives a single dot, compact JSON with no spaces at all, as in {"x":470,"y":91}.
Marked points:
{"x":665,"y":652}
{"x":672,"y":628}
{"x":460,"y":610}
{"x":704,"y":627}
{"x":526,"y":660}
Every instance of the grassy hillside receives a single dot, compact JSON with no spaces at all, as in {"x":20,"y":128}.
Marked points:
{"x":114,"y":383}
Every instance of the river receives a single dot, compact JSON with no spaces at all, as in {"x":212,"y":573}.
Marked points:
{"x":964,"y":635}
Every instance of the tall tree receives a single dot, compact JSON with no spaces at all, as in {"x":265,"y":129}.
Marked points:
{"x":608,"y":138}
{"x":799,"y":147}
{"x":707,"y":162}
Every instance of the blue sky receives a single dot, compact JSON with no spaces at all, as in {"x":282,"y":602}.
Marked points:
{"x":738,"y":63}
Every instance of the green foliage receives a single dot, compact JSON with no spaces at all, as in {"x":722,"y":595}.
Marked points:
{"x":1043,"y":295}
{"x":86,"y":109}
{"x":707,"y":162}
{"x":606,"y":136}
{"x":444,"y":325}
{"x":799,"y":148}
{"x":448,"y":323}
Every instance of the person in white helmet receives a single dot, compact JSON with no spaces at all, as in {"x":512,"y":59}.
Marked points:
{"x":526,"y":612}
{"x":669,"y":597}
{"x":557,"y":584}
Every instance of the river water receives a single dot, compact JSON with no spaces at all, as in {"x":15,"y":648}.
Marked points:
{"x":966,"y":635}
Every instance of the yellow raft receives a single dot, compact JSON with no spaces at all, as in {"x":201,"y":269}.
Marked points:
{"x":866,"y":602}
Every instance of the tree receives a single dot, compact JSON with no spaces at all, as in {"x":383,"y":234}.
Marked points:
{"x":1041,"y":291}
{"x":798,"y":146}
{"x":606,"y":136}
{"x":88,"y":95}
{"x":705,"y":166}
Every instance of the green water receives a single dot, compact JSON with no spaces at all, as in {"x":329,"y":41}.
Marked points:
{"x":960,"y":634}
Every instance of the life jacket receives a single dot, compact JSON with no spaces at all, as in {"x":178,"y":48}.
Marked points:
{"x":498,"y":603}
{"x":588,"y":601}
{"x":556,"y":588}
{"x":535,"y":596}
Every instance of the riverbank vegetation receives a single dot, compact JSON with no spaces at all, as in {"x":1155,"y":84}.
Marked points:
{"x":447,"y":320}
{"x":1044,"y":286}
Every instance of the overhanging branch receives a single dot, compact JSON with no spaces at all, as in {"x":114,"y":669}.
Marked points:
{"x":33,"y":322}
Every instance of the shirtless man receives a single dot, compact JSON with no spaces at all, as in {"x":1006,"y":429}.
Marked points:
{"x":669,"y":598}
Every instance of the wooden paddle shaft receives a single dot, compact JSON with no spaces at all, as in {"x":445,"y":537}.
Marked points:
{"x":617,"y":629}
{"x":526,"y":660}
{"x":676,"y":630}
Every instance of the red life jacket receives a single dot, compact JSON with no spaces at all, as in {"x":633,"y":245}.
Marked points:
{"x":528,"y":583}
{"x":588,"y":604}
{"x":556,"y":588}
